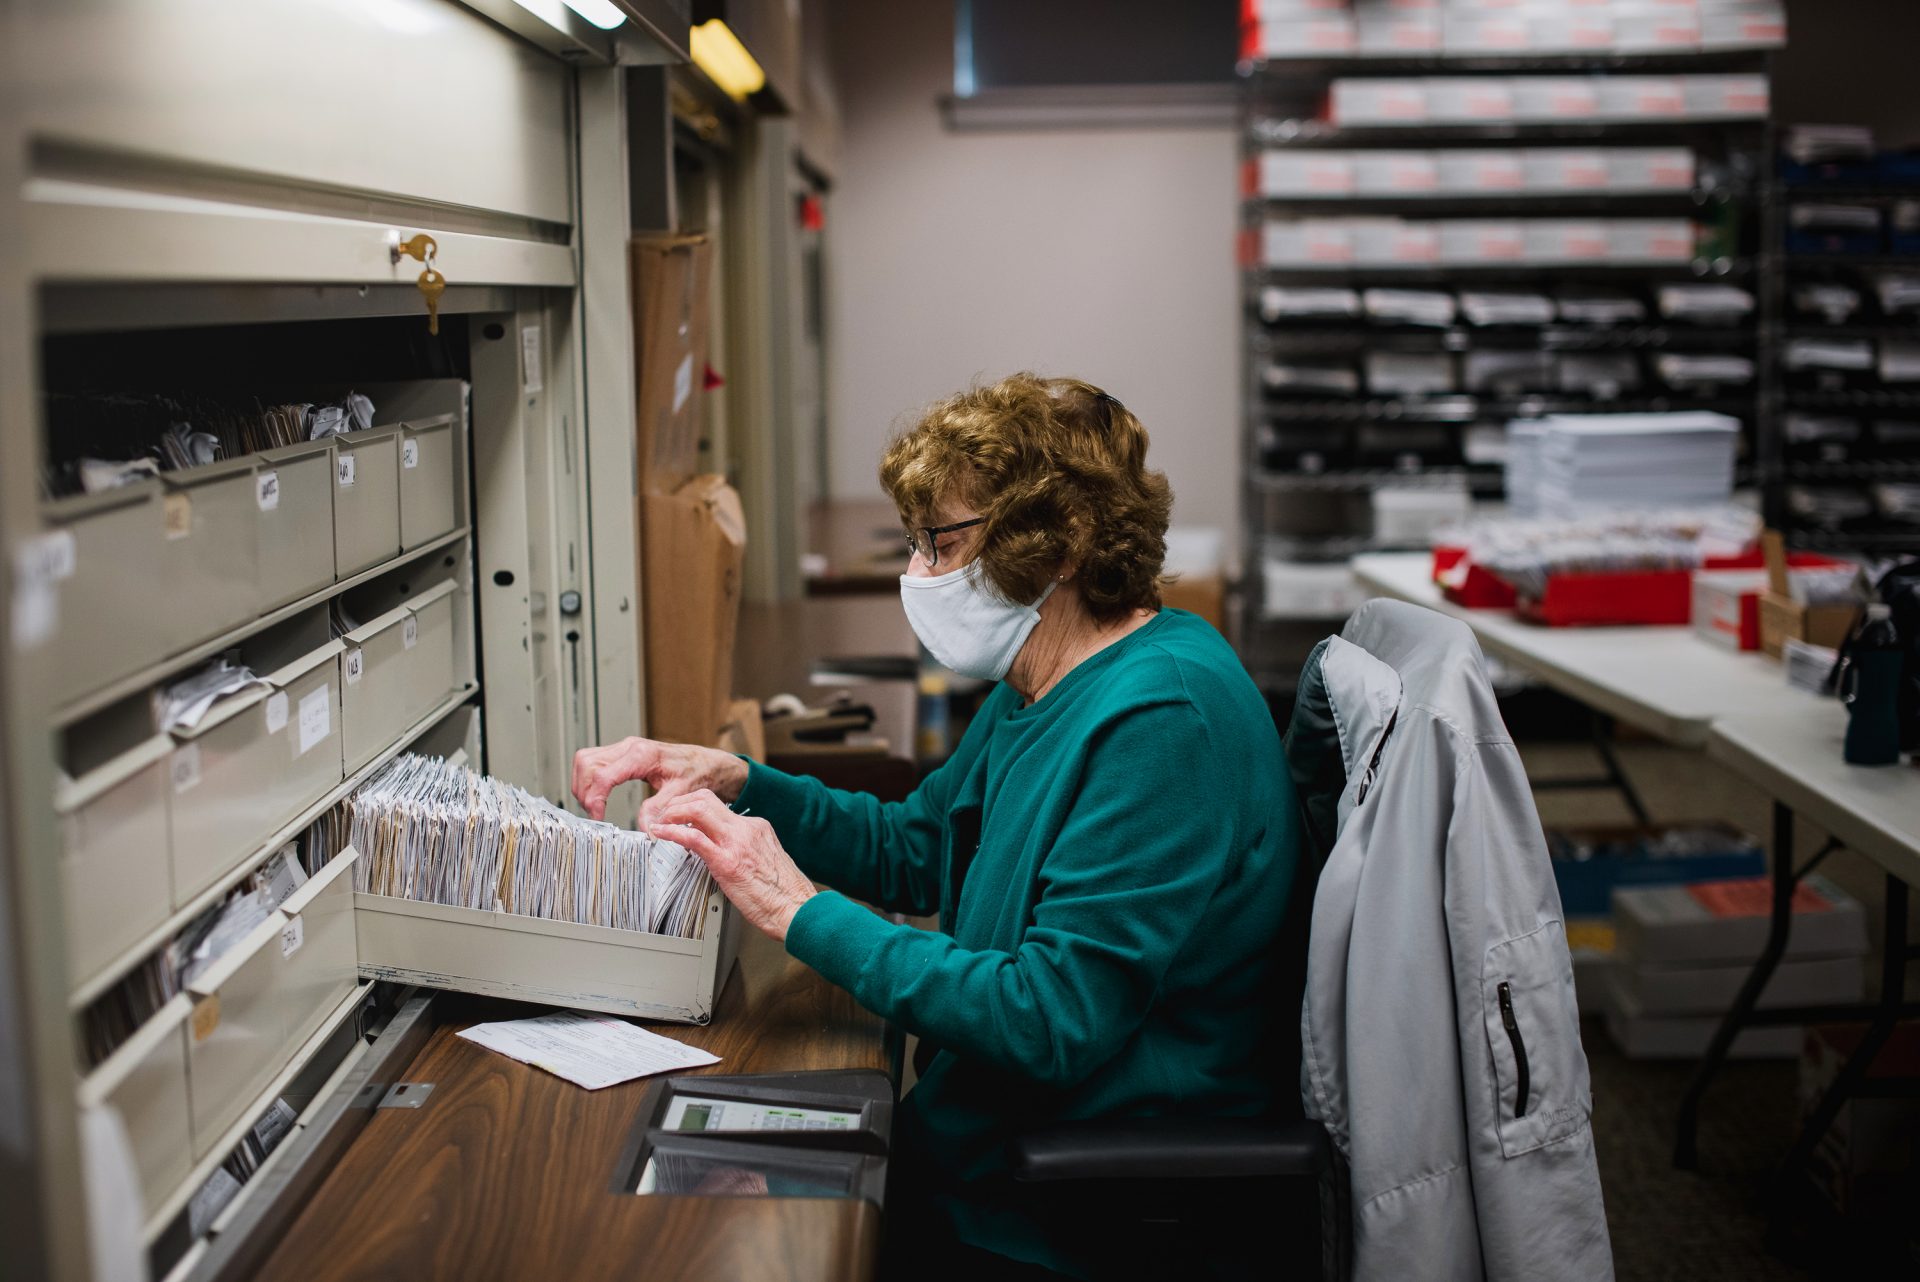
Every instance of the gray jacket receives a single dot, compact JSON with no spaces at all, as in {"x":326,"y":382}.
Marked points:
{"x":1441,"y":1045}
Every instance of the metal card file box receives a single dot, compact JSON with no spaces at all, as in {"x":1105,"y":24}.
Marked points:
{"x":254,"y":761}
{"x":235,"y":1033}
{"x":366,"y":499}
{"x":294,"y":494}
{"x":145,"y":1082}
{"x":395,"y":669}
{"x":529,"y":959}
{"x":427,"y":474}
{"x":116,"y":873}
{"x":210,"y":516}
{"x":113,"y":615}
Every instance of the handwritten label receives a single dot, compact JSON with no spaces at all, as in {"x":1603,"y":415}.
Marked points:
{"x":176,"y":514}
{"x":410,"y":631}
{"x":530,"y":379}
{"x":316,"y":715}
{"x":186,"y":767}
{"x":46,"y":559}
{"x":292,"y":935}
{"x":206,"y":1016}
{"x":354,"y":664}
{"x":409,"y":453}
{"x":266,"y":490}
{"x":276,"y":712}
{"x":344,"y":470}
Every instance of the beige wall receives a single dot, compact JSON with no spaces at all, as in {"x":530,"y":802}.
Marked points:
{"x":1106,"y":254}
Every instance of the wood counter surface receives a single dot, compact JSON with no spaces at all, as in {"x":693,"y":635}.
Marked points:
{"x":507,"y":1171}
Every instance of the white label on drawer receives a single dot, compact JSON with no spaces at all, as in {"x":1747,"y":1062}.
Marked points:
{"x":409,"y":453}
{"x":266,"y":490}
{"x":46,"y":559}
{"x":186,"y":766}
{"x":276,"y":712}
{"x":354,"y":664}
{"x":410,"y":631}
{"x":176,"y":514}
{"x":344,"y":470}
{"x":316,"y":712}
{"x":292,"y":935}
{"x":682,"y":382}
{"x":530,"y":380}
{"x":38,"y":564}
{"x":206,"y":1016}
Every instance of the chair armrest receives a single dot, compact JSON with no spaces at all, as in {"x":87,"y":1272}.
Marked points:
{"x":1171,"y":1148}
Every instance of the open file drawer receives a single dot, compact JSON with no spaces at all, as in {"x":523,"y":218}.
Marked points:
{"x":113,"y":587}
{"x":115,"y":875}
{"x":294,"y":492}
{"x":252,"y":762}
{"x":366,"y":499}
{"x":530,"y":959}
{"x":211,"y":517}
{"x":428,"y":475}
{"x":145,"y":1082}
{"x":396,"y":669}
{"x":255,"y":1006}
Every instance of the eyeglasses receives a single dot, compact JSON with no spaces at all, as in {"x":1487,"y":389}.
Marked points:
{"x":924,"y":539}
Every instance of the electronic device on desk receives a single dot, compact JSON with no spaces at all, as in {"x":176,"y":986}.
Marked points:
{"x":818,"y":1134}
{"x":820,"y":730}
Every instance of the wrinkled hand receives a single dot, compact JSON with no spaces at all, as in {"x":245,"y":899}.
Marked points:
{"x":748,"y":862}
{"x":670,"y":769}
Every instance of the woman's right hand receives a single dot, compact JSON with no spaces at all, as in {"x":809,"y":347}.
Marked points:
{"x":670,"y":769}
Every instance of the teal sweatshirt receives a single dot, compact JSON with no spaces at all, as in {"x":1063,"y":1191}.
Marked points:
{"x":1110,"y":866}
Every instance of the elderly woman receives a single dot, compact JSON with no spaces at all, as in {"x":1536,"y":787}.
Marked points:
{"x":1109,"y":848}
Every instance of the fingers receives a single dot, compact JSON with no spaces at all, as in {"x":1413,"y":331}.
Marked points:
{"x":699,"y":809}
{"x":598,"y":771}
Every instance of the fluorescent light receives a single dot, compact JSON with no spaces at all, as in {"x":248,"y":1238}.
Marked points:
{"x":719,"y":53}
{"x":603,"y":14}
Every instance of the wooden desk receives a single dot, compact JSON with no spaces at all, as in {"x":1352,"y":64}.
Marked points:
{"x":507,"y":1171}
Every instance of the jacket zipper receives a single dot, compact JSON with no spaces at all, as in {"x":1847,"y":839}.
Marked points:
{"x":1366,"y":780}
{"x":1512,"y":1025}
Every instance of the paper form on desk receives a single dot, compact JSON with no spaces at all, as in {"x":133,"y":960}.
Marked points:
{"x":589,"y":1050}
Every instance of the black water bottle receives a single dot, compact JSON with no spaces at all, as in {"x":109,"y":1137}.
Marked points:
{"x":1871,"y":692}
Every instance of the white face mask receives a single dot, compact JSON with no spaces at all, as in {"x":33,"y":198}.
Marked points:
{"x":965,"y":624}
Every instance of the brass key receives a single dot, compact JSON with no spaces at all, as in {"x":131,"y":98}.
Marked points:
{"x":420,"y":248}
{"x":432,"y":285}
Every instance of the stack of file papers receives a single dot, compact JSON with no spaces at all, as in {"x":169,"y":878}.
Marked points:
{"x":1589,"y":461}
{"x":1588,"y":306}
{"x":430,"y":830}
{"x":1898,"y":292}
{"x":1410,"y":306}
{"x":1819,"y":144}
{"x":1680,"y":370}
{"x":1277,"y":303}
{"x":1830,"y":353}
{"x":1506,"y":309}
{"x":1705,"y":304}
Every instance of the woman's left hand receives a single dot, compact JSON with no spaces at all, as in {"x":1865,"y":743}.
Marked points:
{"x":747,"y":860}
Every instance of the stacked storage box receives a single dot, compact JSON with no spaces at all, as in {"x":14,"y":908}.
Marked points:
{"x":1683,"y":952}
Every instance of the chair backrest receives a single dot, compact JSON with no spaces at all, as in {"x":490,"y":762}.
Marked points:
{"x":1311,"y":746}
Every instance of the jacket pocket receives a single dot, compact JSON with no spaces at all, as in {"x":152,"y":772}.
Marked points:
{"x":1540,"y":1084}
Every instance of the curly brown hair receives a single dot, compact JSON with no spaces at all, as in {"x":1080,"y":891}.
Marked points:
{"x":1059,"y":470}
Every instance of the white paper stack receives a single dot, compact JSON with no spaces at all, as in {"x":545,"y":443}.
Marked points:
{"x":1682,"y":459}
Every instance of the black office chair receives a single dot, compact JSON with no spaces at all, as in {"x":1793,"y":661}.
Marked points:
{"x":1221,"y":1197}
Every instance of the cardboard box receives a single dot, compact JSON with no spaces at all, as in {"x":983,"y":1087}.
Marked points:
{"x":671,"y":277}
{"x":745,"y":734}
{"x":1201,"y":594}
{"x":1725,"y":922}
{"x":1710,"y":990}
{"x":693,"y":544}
{"x":1782,"y":618}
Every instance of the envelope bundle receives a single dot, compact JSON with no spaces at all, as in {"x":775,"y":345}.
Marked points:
{"x":428,"y":829}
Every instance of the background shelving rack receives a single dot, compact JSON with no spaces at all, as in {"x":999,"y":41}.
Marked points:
{"x":1876,"y":536}
{"x":1322,"y":518}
